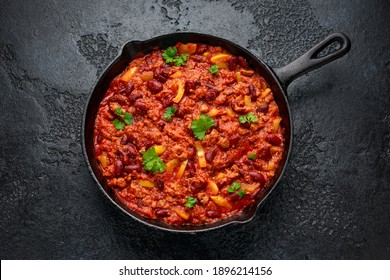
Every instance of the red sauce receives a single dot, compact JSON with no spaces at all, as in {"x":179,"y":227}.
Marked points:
{"x":238,"y":160}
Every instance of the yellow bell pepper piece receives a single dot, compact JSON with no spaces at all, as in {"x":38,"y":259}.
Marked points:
{"x":182,"y":169}
{"x":200,"y":153}
{"x":181,"y":213}
{"x":212,"y":188}
{"x":275,"y":124}
{"x":180,"y":92}
{"x":221,"y":201}
{"x":220,"y":57}
{"x":103,"y":160}
{"x":171,"y":165}
{"x":160,"y":149}
{"x":145,"y":183}
{"x":128,"y":74}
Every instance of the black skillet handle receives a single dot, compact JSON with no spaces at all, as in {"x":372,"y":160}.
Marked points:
{"x":310,"y":60}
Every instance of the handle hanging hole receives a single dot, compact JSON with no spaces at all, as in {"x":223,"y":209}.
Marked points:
{"x":327,"y":49}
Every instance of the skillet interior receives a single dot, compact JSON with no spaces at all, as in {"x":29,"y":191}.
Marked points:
{"x":135,"y":49}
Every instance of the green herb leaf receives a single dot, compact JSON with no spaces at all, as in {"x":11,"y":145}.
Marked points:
{"x":248,"y":118}
{"x":252,"y":156}
{"x":170,"y":56}
{"x":181,"y":60}
{"x":119,"y":111}
{"x":128,"y":118}
{"x":118,"y":124}
{"x":213,"y":69}
{"x":190,"y":202}
{"x":152,"y":161}
{"x":234,"y":187}
{"x":199,"y":127}
{"x":241,"y":193}
{"x":169,"y":112}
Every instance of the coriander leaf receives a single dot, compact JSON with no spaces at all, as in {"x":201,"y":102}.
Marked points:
{"x":252,"y":156}
{"x":234,"y":187}
{"x":249,"y":118}
{"x":118,"y":124}
{"x":128,"y":118}
{"x":213,"y":69}
{"x":169,"y":54}
{"x":241,"y":193}
{"x":169,"y":112}
{"x":181,"y":60}
{"x":199,"y":127}
{"x":190,"y":202}
{"x":119,"y":111}
{"x":152,"y":161}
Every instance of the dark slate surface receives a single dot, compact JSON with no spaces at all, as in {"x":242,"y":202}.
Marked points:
{"x":334,"y":200}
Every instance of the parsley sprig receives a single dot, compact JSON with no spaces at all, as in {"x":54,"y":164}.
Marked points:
{"x":169,"y":112}
{"x":249,"y":118}
{"x":170,"y":56}
{"x":213,"y":69}
{"x":190,"y":202}
{"x":126,"y":117}
{"x":252,"y":156}
{"x":152,"y":161}
{"x":236,"y":188}
{"x":199,"y":127}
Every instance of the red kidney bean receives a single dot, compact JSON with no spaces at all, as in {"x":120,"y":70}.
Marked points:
{"x":133,"y":167}
{"x":262,"y":109}
{"x":201,"y":48}
{"x":245,"y":125}
{"x":99,"y":138}
{"x":118,"y":166}
{"x":210,"y":155}
{"x":233,"y":63}
{"x":167,"y":102}
{"x":234,"y":140}
{"x":265,"y":153}
{"x":140,"y":105}
{"x":122,"y":91}
{"x":242,"y":62}
{"x":252,"y":92}
{"x":160,"y":184}
{"x":247,"y":161}
{"x":210,"y":86}
{"x":124,"y":139}
{"x":132,"y":150}
{"x":161,"y":124}
{"x":233,"y":197}
{"x":189,"y":85}
{"x":134,"y":97}
{"x":161,"y":212}
{"x":256,"y":176}
{"x":129,"y":87}
{"x":211,"y":95}
{"x":125,"y":156}
{"x":255,"y":193}
{"x":191,"y":167}
{"x":160,"y":78}
{"x":154,"y":86}
{"x":213,"y":214}
{"x":273,"y":139}
{"x":148,"y":144}
{"x":118,"y":98}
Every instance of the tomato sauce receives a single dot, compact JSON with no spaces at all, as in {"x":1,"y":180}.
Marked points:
{"x":188,"y":135}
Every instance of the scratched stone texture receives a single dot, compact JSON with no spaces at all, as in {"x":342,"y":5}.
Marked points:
{"x":333,"y":201}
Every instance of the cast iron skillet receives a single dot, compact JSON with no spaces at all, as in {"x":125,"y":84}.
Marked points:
{"x":278,"y":79}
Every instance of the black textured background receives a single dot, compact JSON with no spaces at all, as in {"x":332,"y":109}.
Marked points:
{"x":334,"y":200}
